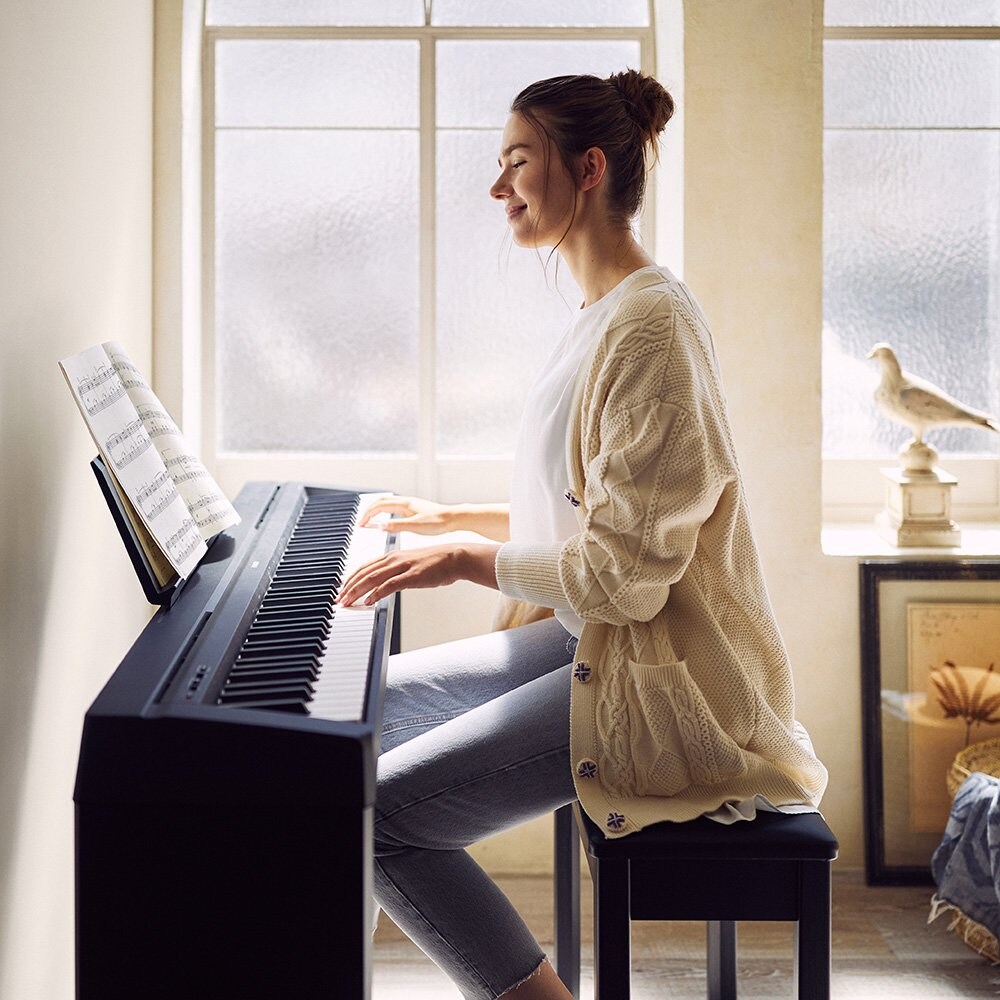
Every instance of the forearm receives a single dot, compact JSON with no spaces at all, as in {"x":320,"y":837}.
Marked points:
{"x":489,"y":520}
{"x":478,"y":564}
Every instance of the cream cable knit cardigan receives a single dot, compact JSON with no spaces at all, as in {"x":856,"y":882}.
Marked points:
{"x":682,"y":695}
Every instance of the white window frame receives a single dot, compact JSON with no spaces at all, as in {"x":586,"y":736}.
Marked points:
{"x":854,"y":489}
{"x":184,"y":355}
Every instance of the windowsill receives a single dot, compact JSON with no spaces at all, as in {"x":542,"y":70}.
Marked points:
{"x":979,"y":541}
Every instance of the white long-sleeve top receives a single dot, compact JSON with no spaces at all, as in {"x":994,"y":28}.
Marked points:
{"x":539,"y":509}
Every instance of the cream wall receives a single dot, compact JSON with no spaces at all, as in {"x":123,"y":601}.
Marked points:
{"x":753,"y":245}
{"x":753,"y":203}
{"x":75,"y":261}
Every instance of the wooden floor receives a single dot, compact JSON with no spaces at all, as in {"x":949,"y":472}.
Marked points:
{"x":883,"y":947}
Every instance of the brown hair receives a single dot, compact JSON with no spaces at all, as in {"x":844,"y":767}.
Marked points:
{"x":622,"y":115}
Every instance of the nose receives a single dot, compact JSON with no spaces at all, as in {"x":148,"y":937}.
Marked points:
{"x":500,"y":187}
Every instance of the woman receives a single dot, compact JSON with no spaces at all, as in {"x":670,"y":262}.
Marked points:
{"x":660,"y":689}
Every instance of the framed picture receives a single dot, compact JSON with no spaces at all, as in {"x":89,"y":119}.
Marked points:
{"x":930,"y":686}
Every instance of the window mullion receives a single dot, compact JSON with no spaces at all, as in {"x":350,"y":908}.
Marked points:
{"x":427,"y":346}
{"x":209,"y":385}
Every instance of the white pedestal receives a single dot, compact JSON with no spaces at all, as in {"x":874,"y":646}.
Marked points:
{"x":918,"y":509}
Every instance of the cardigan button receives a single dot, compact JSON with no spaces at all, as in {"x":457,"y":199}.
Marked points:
{"x":572,"y":498}
{"x":615,"y":821}
{"x":586,"y":769}
{"x":581,"y":672}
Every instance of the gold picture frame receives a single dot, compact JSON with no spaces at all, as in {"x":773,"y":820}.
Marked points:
{"x":930,"y":631}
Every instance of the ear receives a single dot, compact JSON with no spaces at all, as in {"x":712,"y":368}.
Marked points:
{"x":591,"y":168}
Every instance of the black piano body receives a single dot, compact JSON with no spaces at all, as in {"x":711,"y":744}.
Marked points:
{"x":224,"y":850}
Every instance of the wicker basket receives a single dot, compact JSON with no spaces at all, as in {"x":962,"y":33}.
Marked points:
{"x":984,"y":757}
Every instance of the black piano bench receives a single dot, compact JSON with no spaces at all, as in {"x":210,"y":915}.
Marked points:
{"x":776,"y":867}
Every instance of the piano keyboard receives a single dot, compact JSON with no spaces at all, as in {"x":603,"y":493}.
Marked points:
{"x":303,"y":653}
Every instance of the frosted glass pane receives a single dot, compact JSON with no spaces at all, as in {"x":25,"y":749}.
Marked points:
{"x":541,"y":12}
{"x":897,"y":12}
{"x":912,"y":83}
{"x":499,"y":313}
{"x":319,"y":12}
{"x":316,"y":309}
{"x":295,"y":82}
{"x":478,"y":80}
{"x":912,"y":257}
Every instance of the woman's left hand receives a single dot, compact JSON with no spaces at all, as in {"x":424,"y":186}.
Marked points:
{"x":433,"y":566}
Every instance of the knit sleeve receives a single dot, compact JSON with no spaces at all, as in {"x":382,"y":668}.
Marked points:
{"x":657,"y":486}
{"x":660,"y":462}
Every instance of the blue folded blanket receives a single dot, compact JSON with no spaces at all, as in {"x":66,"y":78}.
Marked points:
{"x":966,"y":865}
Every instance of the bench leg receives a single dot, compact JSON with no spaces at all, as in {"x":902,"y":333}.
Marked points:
{"x":567,"y":899}
{"x":812,"y":933}
{"x":612,"y":934}
{"x":721,"y":960}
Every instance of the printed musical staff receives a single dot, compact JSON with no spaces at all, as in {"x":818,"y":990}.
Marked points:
{"x":184,"y":542}
{"x":100,"y":389}
{"x":130,"y":376}
{"x":207,"y":510}
{"x":128,"y":444}
{"x":185,"y":468}
{"x":157,"y":497}
{"x":156,"y":420}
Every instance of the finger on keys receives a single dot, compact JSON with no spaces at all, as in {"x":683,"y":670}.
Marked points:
{"x":356,"y":584}
{"x":383,"y":506}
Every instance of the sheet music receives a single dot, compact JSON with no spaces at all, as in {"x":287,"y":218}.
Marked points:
{"x":173,"y":493}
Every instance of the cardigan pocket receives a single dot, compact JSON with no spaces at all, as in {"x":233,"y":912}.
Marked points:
{"x":675,"y":739}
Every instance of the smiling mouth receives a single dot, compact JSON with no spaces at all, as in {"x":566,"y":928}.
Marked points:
{"x":513,"y":210}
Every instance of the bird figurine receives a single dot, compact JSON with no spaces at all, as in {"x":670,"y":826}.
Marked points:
{"x":921,"y":406}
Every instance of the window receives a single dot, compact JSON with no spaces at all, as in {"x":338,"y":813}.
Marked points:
{"x":911,"y":232}
{"x":365,"y":320}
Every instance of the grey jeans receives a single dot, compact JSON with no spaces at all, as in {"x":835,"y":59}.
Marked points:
{"x":475,"y":741}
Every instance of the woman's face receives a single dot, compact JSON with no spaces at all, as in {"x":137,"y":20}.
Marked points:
{"x":535,"y":187}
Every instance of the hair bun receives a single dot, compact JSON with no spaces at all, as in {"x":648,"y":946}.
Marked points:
{"x":622,"y":114}
{"x":648,"y":103}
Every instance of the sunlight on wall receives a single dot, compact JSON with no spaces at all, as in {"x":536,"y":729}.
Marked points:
{"x":76,"y":206}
